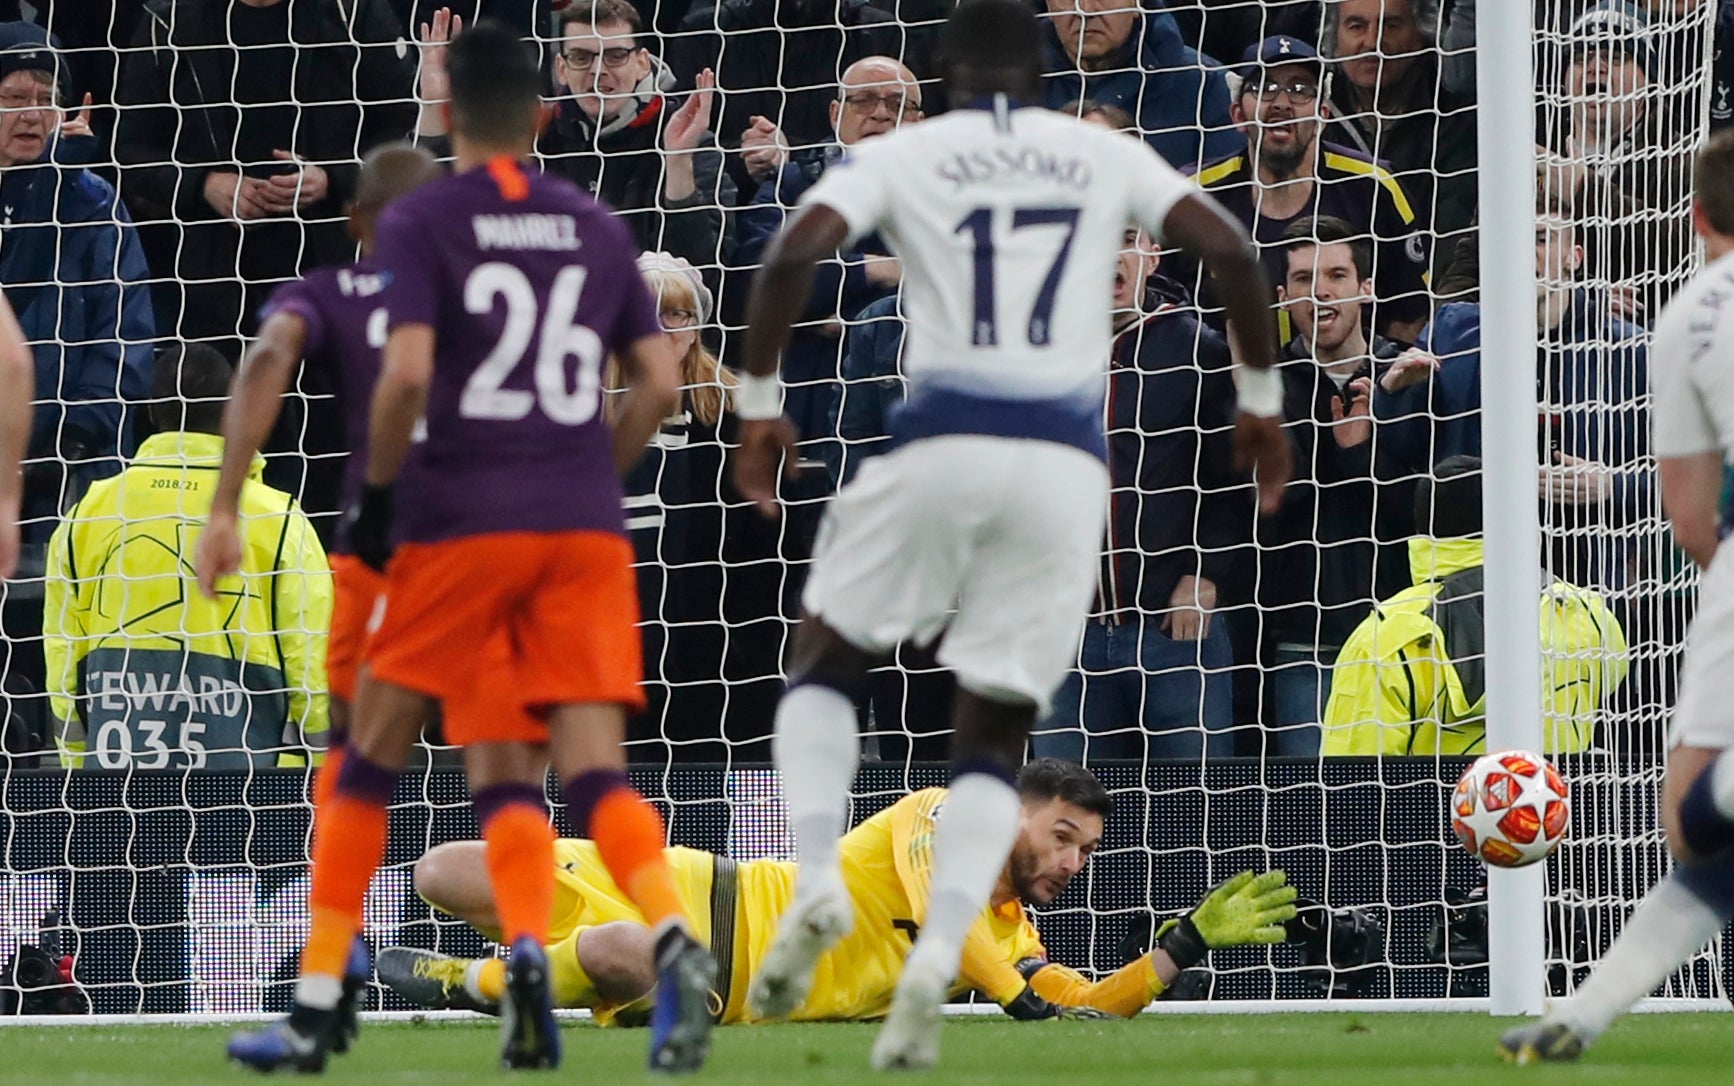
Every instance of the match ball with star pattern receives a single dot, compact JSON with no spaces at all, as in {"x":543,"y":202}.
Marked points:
{"x":1511,"y":809}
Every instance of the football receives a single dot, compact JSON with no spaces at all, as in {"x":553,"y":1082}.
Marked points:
{"x":1510,"y":809}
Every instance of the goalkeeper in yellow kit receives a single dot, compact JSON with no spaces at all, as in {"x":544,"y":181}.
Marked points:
{"x":600,"y":951}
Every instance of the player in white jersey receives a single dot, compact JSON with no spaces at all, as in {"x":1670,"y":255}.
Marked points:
{"x":985,"y":518}
{"x":1692,"y":378}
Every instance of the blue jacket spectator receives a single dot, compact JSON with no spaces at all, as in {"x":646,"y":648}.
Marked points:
{"x":1154,"y":676}
{"x":872,"y":386}
{"x":1138,"y":62}
{"x":1592,"y":380}
{"x":74,"y":272}
{"x":876,"y":95}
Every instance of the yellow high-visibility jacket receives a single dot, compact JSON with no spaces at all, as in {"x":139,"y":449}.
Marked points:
{"x":143,"y":670}
{"x":1410,"y":678}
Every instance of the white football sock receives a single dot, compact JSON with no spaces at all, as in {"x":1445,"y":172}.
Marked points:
{"x":817,"y":749}
{"x":319,"y":991}
{"x":975,"y":835}
{"x":1722,"y":784}
{"x":1668,"y":926}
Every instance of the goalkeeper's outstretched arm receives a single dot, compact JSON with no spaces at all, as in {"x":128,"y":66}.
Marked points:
{"x":1246,"y":909}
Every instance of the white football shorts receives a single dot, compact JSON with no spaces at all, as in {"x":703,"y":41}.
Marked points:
{"x":992,"y":540}
{"x":1704,"y":713}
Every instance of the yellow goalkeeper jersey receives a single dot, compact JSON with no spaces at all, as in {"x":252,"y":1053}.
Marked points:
{"x":887,"y":862}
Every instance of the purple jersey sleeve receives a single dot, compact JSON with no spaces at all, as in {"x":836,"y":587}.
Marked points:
{"x":300,"y":298}
{"x":403,"y":248}
{"x":638,"y":316}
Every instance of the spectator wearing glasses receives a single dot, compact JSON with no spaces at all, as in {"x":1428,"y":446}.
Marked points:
{"x":73,"y":270}
{"x":684,"y":534}
{"x":1113,"y":53}
{"x":1388,"y":103}
{"x":622,"y":139}
{"x":776,"y":62}
{"x":876,"y":95}
{"x":1288,"y":174}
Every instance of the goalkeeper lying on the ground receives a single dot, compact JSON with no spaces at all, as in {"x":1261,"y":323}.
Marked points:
{"x":600,"y":950}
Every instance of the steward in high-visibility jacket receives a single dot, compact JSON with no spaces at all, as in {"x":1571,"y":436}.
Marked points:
{"x":146,"y":672}
{"x":1411,"y":678}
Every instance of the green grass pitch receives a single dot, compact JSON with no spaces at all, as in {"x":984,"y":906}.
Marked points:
{"x":1278,"y":1049}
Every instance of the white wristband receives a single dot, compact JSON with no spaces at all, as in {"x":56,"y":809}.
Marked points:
{"x":758,"y":398}
{"x":1260,"y":392}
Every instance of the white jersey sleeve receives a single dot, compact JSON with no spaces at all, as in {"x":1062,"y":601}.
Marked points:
{"x":857,"y":187}
{"x":1690,"y":361}
{"x":1156,"y":187}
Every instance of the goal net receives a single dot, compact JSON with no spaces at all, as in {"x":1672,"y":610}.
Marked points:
{"x":176,"y":880}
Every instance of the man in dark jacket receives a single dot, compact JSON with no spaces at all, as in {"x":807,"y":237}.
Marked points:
{"x":877,"y":94}
{"x":1154,"y":669}
{"x":1336,"y":545}
{"x":1137,"y":61}
{"x":1591,"y":380}
{"x":780,"y":64}
{"x":1388,"y":104}
{"x":624,"y":141}
{"x":239,"y":170}
{"x":73,"y":271}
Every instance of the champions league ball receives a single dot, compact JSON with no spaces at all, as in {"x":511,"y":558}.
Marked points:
{"x":1510,"y":809}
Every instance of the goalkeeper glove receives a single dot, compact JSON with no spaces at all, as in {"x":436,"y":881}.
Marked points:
{"x":366,"y":528}
{"x":1030,"y":1007}
{"x":1246,"y":909}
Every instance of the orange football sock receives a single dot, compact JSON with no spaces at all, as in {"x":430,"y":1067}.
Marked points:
{"x":520,"y":859}
{"x":628,"y":833}
{"x":325,"y":780}
{"x":348,"y":845}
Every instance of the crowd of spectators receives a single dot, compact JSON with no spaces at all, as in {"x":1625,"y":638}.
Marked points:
{"x":153,"y":203}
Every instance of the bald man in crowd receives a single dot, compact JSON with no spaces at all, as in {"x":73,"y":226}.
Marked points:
{"x":876,"y":95}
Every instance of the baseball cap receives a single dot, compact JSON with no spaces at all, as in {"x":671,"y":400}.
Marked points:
{"x":1278,"y":49}
{"x":25,"y":47}
{"x":1616,"y":23}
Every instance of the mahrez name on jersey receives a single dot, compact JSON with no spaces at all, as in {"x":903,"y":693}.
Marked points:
{"x":526,"y":231}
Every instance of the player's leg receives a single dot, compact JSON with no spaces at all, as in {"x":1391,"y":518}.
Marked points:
{"x":1686,"y":909}
{"x":1021,"y":610}
{"x":453,"y":879}
{"x":356,"y":591}
{"x":1676,"y":919}
{"x":595,"y":971}
{"x":348,"y":845}
{"x":885,"y":569}
{"x":506,"y":782}
{"x":601,"y":803}
{"x":969,"y":852}
{"x":580,"y":661}
{"x":506,"y":785}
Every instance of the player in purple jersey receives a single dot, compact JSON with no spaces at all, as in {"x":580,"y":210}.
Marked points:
{"x":334,"y":320}
{"x":507,"y":293}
